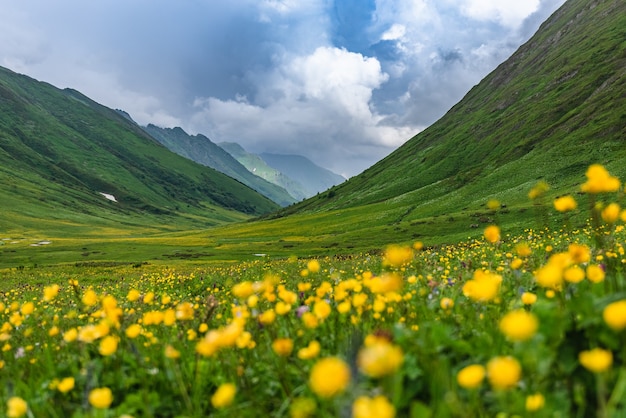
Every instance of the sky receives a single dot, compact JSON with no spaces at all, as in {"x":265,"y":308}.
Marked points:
{"x":342,"y":82}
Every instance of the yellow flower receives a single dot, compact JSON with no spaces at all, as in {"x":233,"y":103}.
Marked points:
{"x":330,"y":376}
{"x":503,"y":372}
{"x":171,"y":352}
{"x":310,"y":351}
{"x":528,"y":298}
{"x":483,"y":287}
{"x":471,"y":377}
{"x":579,"y":253}
{"x":267,"y":317}
{"x":492,"y":233}
{"x":101,"y":398}
{"x":550,"y":276}
{"x":224,"y":395}
{"x":610,"y":214}
{"x":397,"y":256}
{"x":16,"y":407}
{"x":50,"y":292}
{"x":282,"y":346}
{"x":574,"y":274}
{"x":519,"y":325}
{"x":66,"y":384}
{"x":108,"y":345}
{"x":596,"y":360}
{"x":614,"y":314}
{"x":282,"y":308}
{"x":321,"y":309}
{"x":599,"y":180}
{"x":90,"y":298}
{"x":133,"y":330}
{"x":446,"y":303}
{"x":523,"y":249}
{"x":27,"y":308}
{"x":379,"y":358}
{"x":184,"y":311}
{"x":313,"y":266}
{"x":538,"y":190}
{"x":376,"y":407}
{"x":516,"y":263}
{"x":493,"y":204}
{"x":302,"y":408}
{"x":70,"y":335}
{"x":595,"y":274}
{"x":133,"y":295}
{"x":310,"y":320}
{"x":535,"y":402}
{"x":565,"y":203}
{"x":243,"y":290}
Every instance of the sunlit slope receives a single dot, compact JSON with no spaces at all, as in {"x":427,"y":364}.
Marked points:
{"x":59,"y":151}
{"x":556,"y":106}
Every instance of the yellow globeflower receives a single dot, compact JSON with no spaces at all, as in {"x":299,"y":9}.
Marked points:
{"x":310,"y":351}
{"x":574,"y":274}
{"x":66,"y":384}
{"x":535,"y":402}
{"x":376,"y":407}
{"x":550,"y":276}
{"x":50,"y":292}
{"x":313,"y":266}
{"x":610,"y":214}
{"x":282,"y":346}
{"x":133,"y":295}
{"x":133,"y":331}
{"x":528,"y":298}
{"x":519,"y":325}
{"x":595,"y":274}
{"x":596,"y":360}
{"x":579,"y":253}
{"x":379,"y":358}
{"x":565,"y":203}
{"x":471,"y":377}
{"x":492,"y":233}
{"x":16,"y":407}
{"x":503,"y":372}
{"x":483,"y":287}
{"x":108,"y":345}
{"x":446,"y":303}
{"x":397,"y":255}
{"x":101,"y":398}
{"x":321,"y":309}
{"x":599,"y":180}
{"x":614,"y":315}
{"x":329,"y":377}
{"x":224,"y":395}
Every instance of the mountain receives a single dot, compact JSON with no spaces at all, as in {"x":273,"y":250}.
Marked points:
{"x":259,"y":167}
{"x":557,"y":105}
{"x":202,"y":150}
{"x":66,"y":159}
{"x":314,"y":178}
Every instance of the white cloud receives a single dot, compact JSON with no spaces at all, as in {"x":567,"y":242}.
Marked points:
{"x":507,"y":13}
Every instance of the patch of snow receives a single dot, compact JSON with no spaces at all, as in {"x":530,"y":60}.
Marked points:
{"x":259,"y":255}
{"x":109,"y":196}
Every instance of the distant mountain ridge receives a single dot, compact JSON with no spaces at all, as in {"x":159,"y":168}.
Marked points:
{"x":202,"y":150}
{"x":61,"y":153}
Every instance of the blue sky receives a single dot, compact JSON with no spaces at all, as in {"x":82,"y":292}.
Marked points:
{"x":342,"y":82}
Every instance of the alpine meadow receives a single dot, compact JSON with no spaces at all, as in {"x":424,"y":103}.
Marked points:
{"x":479,"y":270}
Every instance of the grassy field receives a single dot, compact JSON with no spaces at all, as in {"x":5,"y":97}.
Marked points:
{"x":503,"y":324}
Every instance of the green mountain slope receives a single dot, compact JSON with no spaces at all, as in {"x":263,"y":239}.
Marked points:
{"x":202,"y":150}
{"x":554,"y":107}
{"x":59,"y":151}
{"x":255,"y":164}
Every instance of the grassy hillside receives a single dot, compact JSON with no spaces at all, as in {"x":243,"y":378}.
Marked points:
{"x":59,"y":151}
{"x":202,"y":150}
{"x":556,"y":106}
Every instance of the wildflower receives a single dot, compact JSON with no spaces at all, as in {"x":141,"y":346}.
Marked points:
{"x":27,"y":308}
{"x":599,"y":180}
{"x":614,"y":314}
{"x":224,"y":395}
{"x":483,"y":287}
{"x":446,"y":303}
{"x":574,"y":274}
{"x":108,"y":345}
{"x":282,"y":346}
{"x":133,"y":330}
{"x":50,"y":292}
{"x":171,"y":352}
{"x":101,"y":398}
{"x":516,"y":263}
{"x":595,"y":274}
{"x":282,"y":308}
{"x":471,"y":377}
{"x":397,"y":256}
{"x":523,"y":249}
{"x":16,"y":407}
{"x":492,"y":233}
{"x":596,"y":360}
{"x":133,"y":295}
{"x":310,"y":351}
{"x":503,"y":372}
{"x":330,"y":376}
{"x":379,"y":358}
{"x":538,"y":190}
{"x":267,"y":317}
{"x":302,"y":408}
{"x":493,"y":204}
{"x":579,"y":253}
{"x":535,"y":402}
{"x":528,"y":298}
{"x":313,"y":266}
{"x":321,"y":309}
{"x":519,"y":325}
{"x":184,"y":311}
{"x":66,"y":384}
{"x":550,"y":276}
{"x":90,"y":298}
{"x":310,"y":320}
{"x":70,"y":335}
{"x":610,"y":214}
{"x":243,"y":290}
{"x":565,"y":203}
{"x":376,"y":407}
